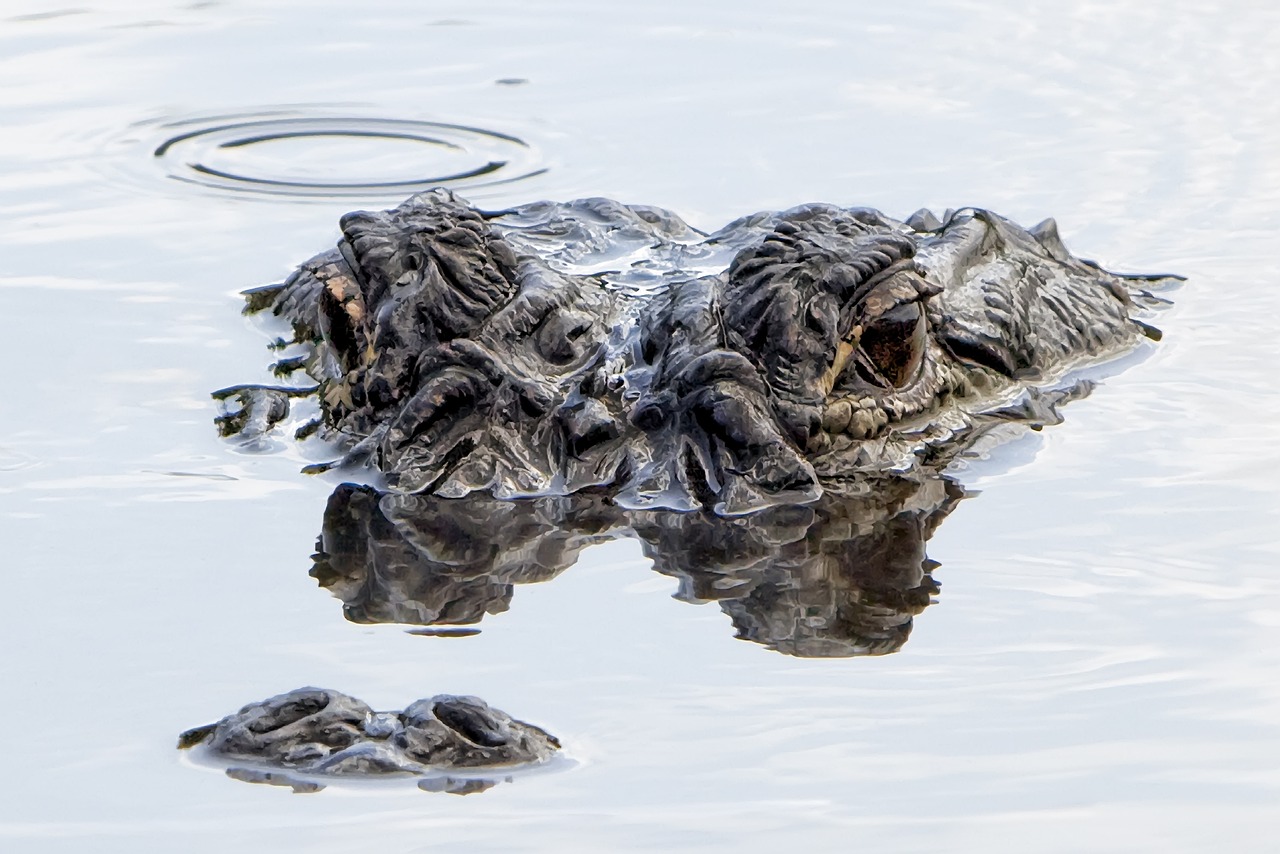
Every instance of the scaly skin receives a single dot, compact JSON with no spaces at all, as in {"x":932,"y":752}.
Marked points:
{"x":554,"y":348}
{"x":322,"y":733}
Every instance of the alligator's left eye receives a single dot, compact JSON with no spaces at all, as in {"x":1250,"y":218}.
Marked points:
{"x":892,"y":347}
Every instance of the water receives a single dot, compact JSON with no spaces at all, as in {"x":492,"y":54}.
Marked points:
{"x":1099,"y":672}
{"x":284,"y":153}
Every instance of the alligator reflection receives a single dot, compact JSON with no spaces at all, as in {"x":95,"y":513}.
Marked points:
{"x":304,"y":786}
{"x":842,"y":576}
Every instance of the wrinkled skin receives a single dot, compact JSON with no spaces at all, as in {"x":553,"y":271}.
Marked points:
{"x":840,"y":576}
{"x":555,"y":348}
{"x":818,"y":367}
{"x":843,"y":575}
{"x":315,"y":732}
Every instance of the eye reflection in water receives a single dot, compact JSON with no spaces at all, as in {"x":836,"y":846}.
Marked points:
{"x":842,"y":576}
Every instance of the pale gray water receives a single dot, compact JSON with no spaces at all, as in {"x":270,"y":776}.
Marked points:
{"x":1102,"y":671}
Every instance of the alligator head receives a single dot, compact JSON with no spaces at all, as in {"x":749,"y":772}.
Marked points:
{"x":549,"y":349}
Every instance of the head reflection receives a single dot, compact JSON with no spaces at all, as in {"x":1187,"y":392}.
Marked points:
{"x":842,"y":576}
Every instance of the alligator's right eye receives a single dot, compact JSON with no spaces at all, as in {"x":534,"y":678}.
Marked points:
{"x":892,"y":347}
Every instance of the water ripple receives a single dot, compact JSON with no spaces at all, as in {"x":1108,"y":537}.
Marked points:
{"x":311,"y":156}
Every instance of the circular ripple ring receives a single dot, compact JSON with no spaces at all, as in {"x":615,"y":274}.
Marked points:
{"x":219,"y":153}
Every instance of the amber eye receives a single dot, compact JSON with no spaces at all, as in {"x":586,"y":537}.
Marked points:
{"x":891,"y":347}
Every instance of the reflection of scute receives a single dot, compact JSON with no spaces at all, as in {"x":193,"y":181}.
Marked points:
{"x":426,"y":561}
{"x":842,"y":576}
{"x":453,"y":155}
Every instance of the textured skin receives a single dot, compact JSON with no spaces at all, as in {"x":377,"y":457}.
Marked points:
{"x":843,"y":575}
{"x":555,"y":348}
{"x":325,"y":733}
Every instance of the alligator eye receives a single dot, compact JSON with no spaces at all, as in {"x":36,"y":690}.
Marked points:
{"x":892,"y":347}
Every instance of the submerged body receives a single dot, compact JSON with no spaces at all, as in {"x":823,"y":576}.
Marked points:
{"x":552,"y":348}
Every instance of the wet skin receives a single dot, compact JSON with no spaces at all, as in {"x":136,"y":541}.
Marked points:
{"x":533,"y":380}
{"x":554,"y":348}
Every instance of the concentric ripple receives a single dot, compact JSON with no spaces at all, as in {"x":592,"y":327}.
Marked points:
{"x":336,"y":156}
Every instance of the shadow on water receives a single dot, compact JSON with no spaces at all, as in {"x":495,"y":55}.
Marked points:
{"x":840,"y":577}
{"x":301,"y":784}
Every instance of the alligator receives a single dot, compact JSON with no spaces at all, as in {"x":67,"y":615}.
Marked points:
{"x":771,"y":409}
{"x":592,"y":346}
{"x":306,"y":735}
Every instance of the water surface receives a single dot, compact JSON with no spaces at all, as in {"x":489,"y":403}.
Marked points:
{"x":1100,"y":669}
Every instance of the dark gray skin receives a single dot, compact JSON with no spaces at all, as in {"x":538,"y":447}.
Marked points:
{"x":819,"y":367}
{"x":554,"y":348}
{"x":840,"y":576}
{"x":322,"y":733}
{"x":843,"y":575}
